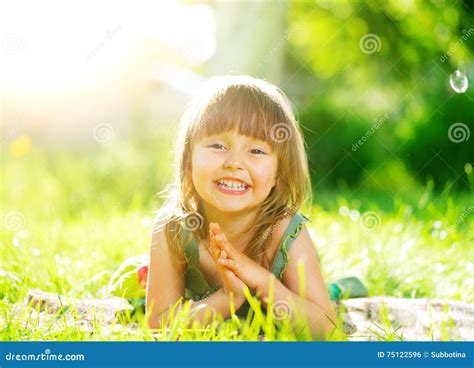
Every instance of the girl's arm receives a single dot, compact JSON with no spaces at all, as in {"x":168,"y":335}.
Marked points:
{"x":204,"y":310}
{"x":315,"y":304}
{"x":218,"y":302}
{"x":166,"y":283}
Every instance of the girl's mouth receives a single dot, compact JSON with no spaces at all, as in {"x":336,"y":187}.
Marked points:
{"x":231,"y":187}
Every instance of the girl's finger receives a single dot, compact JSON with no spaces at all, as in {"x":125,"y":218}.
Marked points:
{"x":219,"y":242}
{"x":223,"y":254}
{"x":214,"y":228}
{"x":211,"y":230}
{"x":229,"y":263}
{"x":213,"y":248}
{"x":223,"y":244}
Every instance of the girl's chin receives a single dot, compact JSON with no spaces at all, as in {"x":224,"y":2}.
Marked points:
{"x":229,"y":208}
{"x":234,"y":206}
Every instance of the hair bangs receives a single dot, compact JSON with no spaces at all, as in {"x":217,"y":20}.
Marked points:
{"x":244,"y":109}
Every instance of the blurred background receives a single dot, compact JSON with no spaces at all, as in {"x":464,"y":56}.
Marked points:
{"x":92,"y":93}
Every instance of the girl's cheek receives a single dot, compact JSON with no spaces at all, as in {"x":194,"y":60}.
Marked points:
{"x":198,"y":169}
{"x":200,"y":156}
{"x":264,"y":176}
{"x":204,"y":164}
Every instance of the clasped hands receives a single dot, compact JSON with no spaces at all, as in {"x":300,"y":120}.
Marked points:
{"x":235,"y":268}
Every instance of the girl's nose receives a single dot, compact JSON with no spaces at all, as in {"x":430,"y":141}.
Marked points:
{"x":233,"y":162}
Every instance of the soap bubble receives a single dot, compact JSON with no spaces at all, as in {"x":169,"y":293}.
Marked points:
{"x":458,"y":82}
{"x":468,"y":168}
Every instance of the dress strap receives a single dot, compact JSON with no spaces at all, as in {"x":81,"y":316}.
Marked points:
{"x":290,"y":234}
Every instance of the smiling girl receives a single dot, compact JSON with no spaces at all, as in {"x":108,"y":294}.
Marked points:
{"x":232,"y":220}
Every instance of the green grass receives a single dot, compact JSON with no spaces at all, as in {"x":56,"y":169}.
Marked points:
{"x":70,"y":218}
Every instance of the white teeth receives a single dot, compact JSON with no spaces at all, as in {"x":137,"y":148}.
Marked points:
{"x":233,"y":185}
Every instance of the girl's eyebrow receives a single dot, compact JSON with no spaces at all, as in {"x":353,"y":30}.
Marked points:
{"x":226,"y":135}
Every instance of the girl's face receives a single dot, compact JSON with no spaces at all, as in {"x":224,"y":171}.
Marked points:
{"x":232,"y":172}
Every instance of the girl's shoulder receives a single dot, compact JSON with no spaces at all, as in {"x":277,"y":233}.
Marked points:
{"x":289,"y":225}
{"x":167,"y":235}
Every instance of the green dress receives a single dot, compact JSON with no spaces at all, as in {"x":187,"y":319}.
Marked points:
{"x":125,"y":282}
{"x":197,"y":286}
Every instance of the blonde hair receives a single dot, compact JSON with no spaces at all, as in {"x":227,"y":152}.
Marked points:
{"x":253,"y":108}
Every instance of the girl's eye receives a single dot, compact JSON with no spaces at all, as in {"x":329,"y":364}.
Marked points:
{"x":217,"y":145}
{"x":257,"y":151}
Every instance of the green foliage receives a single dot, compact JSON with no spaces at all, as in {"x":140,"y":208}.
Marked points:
{"x":345,"y":85}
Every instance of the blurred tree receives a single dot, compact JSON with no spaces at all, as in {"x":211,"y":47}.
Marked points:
{"x":353,"y":62}
{"x":251,"y":39}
